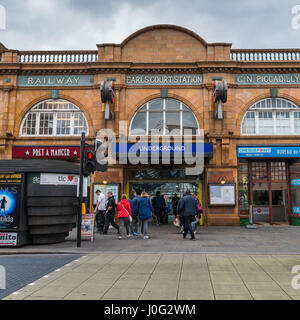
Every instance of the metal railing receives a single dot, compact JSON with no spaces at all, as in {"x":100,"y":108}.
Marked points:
{"x":265,"y":55}
{"x":57,"y":56}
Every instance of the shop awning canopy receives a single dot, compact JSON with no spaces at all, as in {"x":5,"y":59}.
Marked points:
{"x":45,"y":166}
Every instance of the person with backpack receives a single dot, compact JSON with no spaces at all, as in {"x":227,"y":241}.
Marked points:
{"x":159,"y":205}
{"x":188,"y":209}
{"x":133,"y":201}
{"x":145,"y":211}
{"x":124,"y":216}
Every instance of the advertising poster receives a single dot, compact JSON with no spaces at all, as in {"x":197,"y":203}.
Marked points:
{"x":10,"y":200}
{"x":114,"y":188}
{"x":8,"y":239}
{"x":87,"y":226}
{"x":222,"y":194}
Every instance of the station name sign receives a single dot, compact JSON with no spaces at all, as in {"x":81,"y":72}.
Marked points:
{"x":256,"y":79}
{"x":164,"y":80}
{"x":56,"y":81}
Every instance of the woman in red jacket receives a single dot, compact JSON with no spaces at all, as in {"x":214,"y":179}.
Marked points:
{"x":124,"y":216}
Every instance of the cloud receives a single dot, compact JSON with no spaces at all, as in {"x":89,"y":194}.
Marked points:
{"x":77,"y":24}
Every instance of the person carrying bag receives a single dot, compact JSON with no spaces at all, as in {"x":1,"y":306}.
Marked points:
{"x":124,"y":216}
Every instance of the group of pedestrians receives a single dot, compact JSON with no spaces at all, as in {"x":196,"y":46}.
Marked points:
{"x":134,"y":214}
{"x":131,"y":214}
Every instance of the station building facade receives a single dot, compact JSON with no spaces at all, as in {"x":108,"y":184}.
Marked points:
{"x":164,"y":79}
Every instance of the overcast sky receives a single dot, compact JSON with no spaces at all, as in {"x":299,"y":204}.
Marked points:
{"x":81,"y":24}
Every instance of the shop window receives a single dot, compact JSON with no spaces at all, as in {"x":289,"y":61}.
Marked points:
{"x":272,"y":117}
{"x":164,"y":117}
{"x":54,"y":118}
{"x":278,"y":171}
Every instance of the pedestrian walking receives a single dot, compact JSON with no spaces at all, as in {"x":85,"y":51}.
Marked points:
{"x":100,"y":211}
{"x":175,"y":202}
{"x":124,"y":216}
{"x":145,"y":211}
{"x":159,"y":205}
{"x":189,"y":210}
{"x":133,"y":201}
{"x":110,"y":213}
{"x":197,"y":218}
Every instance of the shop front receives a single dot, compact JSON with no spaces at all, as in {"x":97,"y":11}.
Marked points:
{"x":269,"y":183}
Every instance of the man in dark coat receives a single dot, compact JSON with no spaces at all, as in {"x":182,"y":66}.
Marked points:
{"x":110,"y":213}
{"x":133,"y":201}
{"x":175,"y":202}
{"x":188,"y":209}
{"x":159,"y":205}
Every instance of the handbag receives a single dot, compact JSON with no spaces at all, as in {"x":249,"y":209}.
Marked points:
{"x":176,"y":223}
{"x":200,"y":208}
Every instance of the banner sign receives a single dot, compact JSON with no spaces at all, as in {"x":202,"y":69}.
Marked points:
{"x":8,"y":239}
{"x":56,"y":81}
{"x":296,"y":210}
{"x":164,"y":80}
{"x":172,"y":148}
{"x":295,"y":182}
{"x":269,"y":152}
{"x":256,"y":79}
{"x":45,"y":152}
{"x":10,"y":200}
{"x":222,"y":194}
{"x":87,"y":226}
{"x":58,"y":179}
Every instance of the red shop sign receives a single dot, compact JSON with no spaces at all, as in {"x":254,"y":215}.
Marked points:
{"x":45,"y":152}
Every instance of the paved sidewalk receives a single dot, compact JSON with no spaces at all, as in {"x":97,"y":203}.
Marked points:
{"x":166,"y":239}
{"x":168,"y":276}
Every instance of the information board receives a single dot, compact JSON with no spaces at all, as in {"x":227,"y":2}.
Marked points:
{"x":105,"y":188}
{"x":222,"y":194}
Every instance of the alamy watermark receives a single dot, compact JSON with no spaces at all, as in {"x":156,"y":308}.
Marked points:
{"x":296,"y":17}
{"x":2,"y":278}
{"x":296,"y":278}
{"x":2,"y":18}
{"x":154,"y":149}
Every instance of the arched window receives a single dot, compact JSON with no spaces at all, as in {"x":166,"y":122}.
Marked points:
{"x":54,"y":118}
{"x":164,"y":117}
{"x":272,"y":117}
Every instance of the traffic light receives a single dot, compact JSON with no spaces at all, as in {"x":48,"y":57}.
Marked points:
{"x":90,"y":162}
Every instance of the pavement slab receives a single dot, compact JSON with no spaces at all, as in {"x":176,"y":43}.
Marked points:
{"x":189,"y":277}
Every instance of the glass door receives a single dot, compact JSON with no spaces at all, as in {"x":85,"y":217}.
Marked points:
{"x":260,"y":191}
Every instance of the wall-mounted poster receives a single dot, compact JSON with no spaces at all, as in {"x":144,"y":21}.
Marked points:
{"x":105,"y":188}
{"x":222,"y":194}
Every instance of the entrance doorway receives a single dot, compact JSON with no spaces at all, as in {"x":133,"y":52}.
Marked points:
{"x":169,"y":181}
{"x":267,"y":190}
